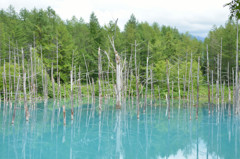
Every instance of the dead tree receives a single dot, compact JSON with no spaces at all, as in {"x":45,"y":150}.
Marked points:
{"x":179,"y":90}
{"x":168,"y":95}
{"x":198,"y":88}
{"x":145,"y":102}
{"x":99,"y":79}
{"x":229,"y":93}
{"x":217,"y":83}
{"x":53,"y":84}
{"x":64,"y":114}
{"x":118,"y":73}
{"x":208,"y":82}
{"x":212,"y":94}
{"x":71,"y":77}
{"x":136,"y":72}
{"x":236,"y":74}
{"x":24,"y":88}
{"x":79,"y":87}
{"x":16,"y":98}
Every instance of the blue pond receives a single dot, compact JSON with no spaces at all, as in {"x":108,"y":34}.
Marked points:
{"x":118,"y":133}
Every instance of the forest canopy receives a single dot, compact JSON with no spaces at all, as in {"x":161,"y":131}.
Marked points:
{"x":78,"y":41}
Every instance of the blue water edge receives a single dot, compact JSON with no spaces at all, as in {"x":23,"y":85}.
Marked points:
{"x":118,"y":133}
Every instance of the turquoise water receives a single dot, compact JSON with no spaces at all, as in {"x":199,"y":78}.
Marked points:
{"x":118,"y":133}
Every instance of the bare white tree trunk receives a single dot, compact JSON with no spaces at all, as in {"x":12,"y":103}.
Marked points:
{"x":71,"y":76}
{"x":16,"y":98}
{"x":184,"y":83}
{"x":53,"y":84}
{"x":32,"y":77}
{"x":179,"y":90}
{"x":234,"y":88}
{"x":229,"y":93}
{"x":43,"y":87}
{"x":217,"y":84}
{"x":3,"y":87}
{"x":212,"y":94}
{"x":172,"y":93}
{"x":145,"y":102}
{"x":59,"y":92}
{"x":79,"y":87}
{"x":236,"y":74}
{"x":93,"y":94}
{"x":198,"y":88}
{"x":24,"y":89}
{"x":14,"y":74}
{"x":64,"y":115}
{"x":4,"y":84}
{"x":190,"y":94}
{"x":99,"y":79}
{"x":9,"y":79}
{"x":136,"y":72}
{"x":118,"y":81}
{"x":58,"y":77}
{"x":46,"y":87}
{"x":168,"y":95}
{"x":208,"y":82}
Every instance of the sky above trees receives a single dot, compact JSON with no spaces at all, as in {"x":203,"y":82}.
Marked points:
{"x":196,"y":17}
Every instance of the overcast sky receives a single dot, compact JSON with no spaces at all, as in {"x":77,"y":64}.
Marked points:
{"x":195,"y":16}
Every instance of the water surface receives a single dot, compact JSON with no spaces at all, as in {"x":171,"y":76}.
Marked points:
{"x":118,"y":133}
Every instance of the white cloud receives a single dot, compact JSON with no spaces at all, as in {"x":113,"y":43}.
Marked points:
{"x":194,"y":16}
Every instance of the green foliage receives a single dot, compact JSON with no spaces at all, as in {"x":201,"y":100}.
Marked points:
{"x":75,"y":39}
{"x":6,"y":73}
{"x":234,"y":7}
{"x":228,"y":34}
{"x":184,"y":68}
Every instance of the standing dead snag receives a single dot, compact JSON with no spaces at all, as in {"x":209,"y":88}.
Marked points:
{"x":53,"y":84}
{"x":0,"y":92}
{"x":172,"y":93}
{"x":136,"y":71}
{"x":159,"y":96}
{"x":236,"y":74}
{"x":64,"y":114}
{"x":15,"y":103}
{"x":118,"y":74}
{"x":32,"y":78}
{"x":234,"y":87}
{"x":43,"y":87}
{"x":198,"y":87}
{"x":208,"y":82}
{"x":4,"y":85}
{"x":93,"y":93}
{"x":99,"y":79}
{"x":9,"y":79}
{"x":58,"y":77}
{"x":212,"y":94}
{"x":190,"y":94}
{"x":59,"y":88}
{"x":46,"y":87}
{"x":168,"y":95}
{"x":14,"y":74}
{"x":179,"y":92}
{"x":217,"y":83}
{"x":229,"y":93}
{"x":145,"y":102}
{"x":71,"y":76}
{"x":184,"y":85}
{"x":152,"y":91}
{"x":24,"y":88}
{"x":79,"y":87}
{"x":119,"y":80}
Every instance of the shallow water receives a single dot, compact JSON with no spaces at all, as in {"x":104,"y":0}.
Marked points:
{"x":118,"y":133}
